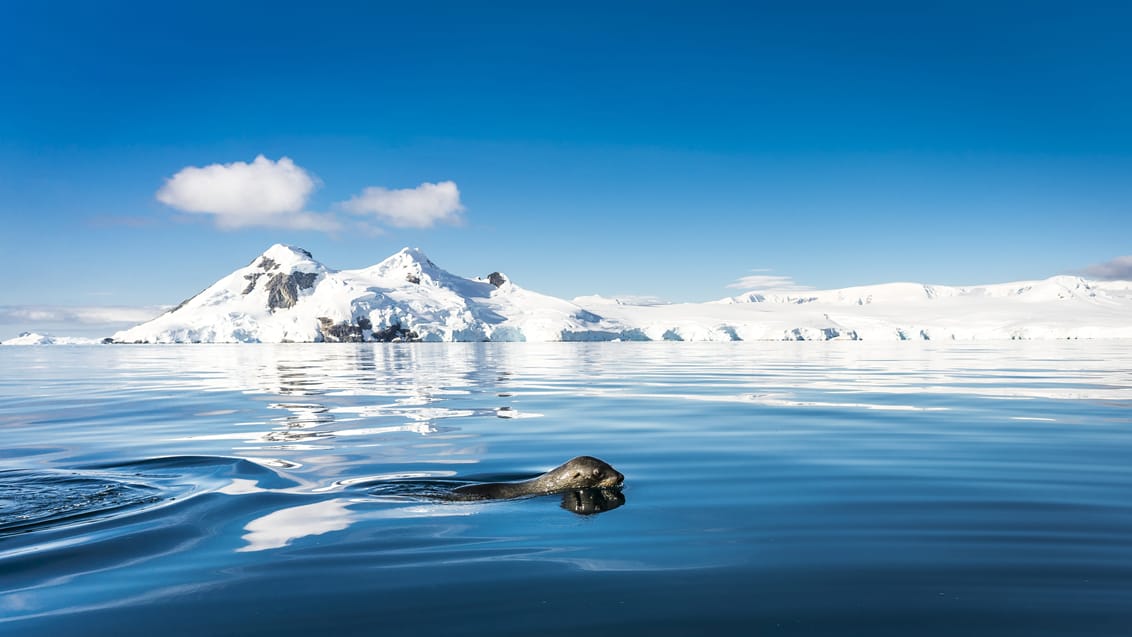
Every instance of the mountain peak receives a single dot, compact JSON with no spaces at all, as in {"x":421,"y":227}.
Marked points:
{"x":414,"y":255}
{"x":411,"y":264}
{"x":282,"y":255}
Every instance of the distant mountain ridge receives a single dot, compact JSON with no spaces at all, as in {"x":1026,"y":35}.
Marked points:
{"x":285,"y":295}
{"x":35,"y":338}
{"x":1057,"y":287}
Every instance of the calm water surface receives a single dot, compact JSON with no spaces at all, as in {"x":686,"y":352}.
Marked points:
{"x":779,"y":489}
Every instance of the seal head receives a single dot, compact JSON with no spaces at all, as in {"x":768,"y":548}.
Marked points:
{"x":583,"y":472}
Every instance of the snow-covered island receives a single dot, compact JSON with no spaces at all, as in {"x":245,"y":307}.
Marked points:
{"x":35,"y":338}
{"x":285,"y":295}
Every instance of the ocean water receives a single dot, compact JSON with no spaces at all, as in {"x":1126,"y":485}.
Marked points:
{"x":771,"y":489}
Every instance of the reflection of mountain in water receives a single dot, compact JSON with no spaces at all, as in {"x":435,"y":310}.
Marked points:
{"x":334,"y":393}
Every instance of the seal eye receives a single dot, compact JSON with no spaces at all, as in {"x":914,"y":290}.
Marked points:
{"x":577,"y":474}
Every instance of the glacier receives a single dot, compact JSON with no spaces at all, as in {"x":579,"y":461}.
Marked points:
{"x":285,"y":295}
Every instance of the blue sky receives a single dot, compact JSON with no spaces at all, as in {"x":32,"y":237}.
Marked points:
{"x":639,"y":148}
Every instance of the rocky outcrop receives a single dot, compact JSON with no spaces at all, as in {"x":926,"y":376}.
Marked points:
{"x":283,"y":289}
{"x":497,"y":279}
{"x":395,"y":334}
{"x":344,"y":332}
{"x":361,"y":331}
{"x":252,"y":279}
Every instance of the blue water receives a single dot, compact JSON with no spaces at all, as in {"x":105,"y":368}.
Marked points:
{"x":780,"y":489}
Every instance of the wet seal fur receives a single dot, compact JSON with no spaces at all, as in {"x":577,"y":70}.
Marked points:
{"x":583,"y":472}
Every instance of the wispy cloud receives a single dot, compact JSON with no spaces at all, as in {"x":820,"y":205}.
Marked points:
{"x":760,"y":282}
{"x":263,"y":193}
{"x":421,"y":207}
{"x":86,"y":315}
{"x":1118,"y":269}
{"x":95,"y":321}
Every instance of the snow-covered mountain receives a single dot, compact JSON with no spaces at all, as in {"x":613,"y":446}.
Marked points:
{"x":286,"y":295}
{"x":1056,"y":308}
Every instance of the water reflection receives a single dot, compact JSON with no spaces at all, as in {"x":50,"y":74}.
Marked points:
{"x":35,"y":500}
{"x":303,"y":415}
{"x":420,"y":487}
{"x":417,"y":375}
{"x":283,"y":526}
{"x":801,"y":460}
{"x":592,"y":501}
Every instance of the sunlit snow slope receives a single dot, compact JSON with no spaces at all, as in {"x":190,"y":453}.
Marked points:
{"x":285,"y":295}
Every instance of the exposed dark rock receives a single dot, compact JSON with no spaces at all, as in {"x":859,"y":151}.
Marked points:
{"x":342,"y":332}
{"x":267,"y":263}
{"x":497,"y":279}
{"x":395,"y":334}
{"x":252,"y":278}
{"x":181,"y":304}
{"x":283,"y":289}
{"x":361,"y":330}
{"x":412,"y":278}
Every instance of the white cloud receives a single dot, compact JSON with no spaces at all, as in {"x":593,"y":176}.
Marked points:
{"x":420,"y":207}
{"x":262,"y":193}
{"x":1118,"y":269}
{"x":767,"y":283}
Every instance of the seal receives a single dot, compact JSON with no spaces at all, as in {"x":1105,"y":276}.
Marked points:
{"x":583,"y":472}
